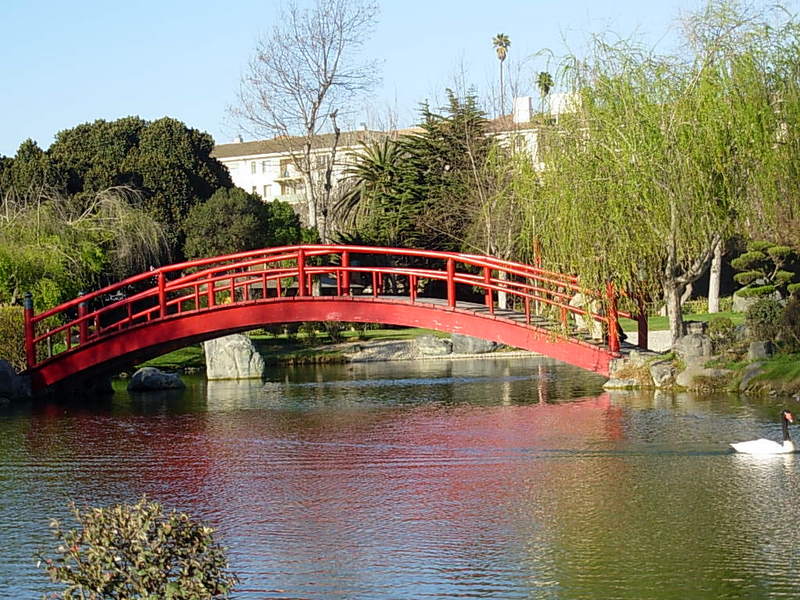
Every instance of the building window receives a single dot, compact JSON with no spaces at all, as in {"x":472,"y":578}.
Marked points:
{"x":253,"y":167}
{"x":263,"y":166}
{"x":267,"y":192}
{"x":255,"y":189}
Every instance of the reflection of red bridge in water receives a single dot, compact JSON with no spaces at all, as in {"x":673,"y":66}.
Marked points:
{"x":173,"y":306}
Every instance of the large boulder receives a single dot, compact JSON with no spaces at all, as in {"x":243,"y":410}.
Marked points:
{"x":384,"y":350}
{"x":693,"y":346}
{"x":233,"y":357}
{"x":466,"y":344}
{"x":150,"y":379}
{"x":663,"y":373}
{"x":12,"y":385}
{"x":430,"y":345}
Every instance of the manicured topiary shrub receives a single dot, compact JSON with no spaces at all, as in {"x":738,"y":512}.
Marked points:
{"x":765,"y":268}
{"x":137,"y":552}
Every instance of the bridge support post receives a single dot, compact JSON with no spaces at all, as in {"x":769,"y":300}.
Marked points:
{"x":451,"y":283}
{"x":30,"y":348}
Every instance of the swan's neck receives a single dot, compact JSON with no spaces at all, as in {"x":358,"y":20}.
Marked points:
{"x":786,"y":437}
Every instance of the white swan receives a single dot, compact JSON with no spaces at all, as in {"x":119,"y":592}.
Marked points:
{"x":763,"y":446}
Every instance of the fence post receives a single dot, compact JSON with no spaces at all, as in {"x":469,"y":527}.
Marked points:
{"x":301,"y":272}
{"x":613,"y":318}
{"x":451,"y":283}
{"x":30,"y":348}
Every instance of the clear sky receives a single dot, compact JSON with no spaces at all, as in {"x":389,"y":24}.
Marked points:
{"x":66,"y":63}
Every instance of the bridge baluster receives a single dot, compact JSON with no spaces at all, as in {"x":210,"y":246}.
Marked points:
{"x":487,"y":279}
{"x":301,"y":272}
{"x":451,"y":283}
{"x":162,"y":294}
{"x":345,"y":273}
{"x":83,"y":326}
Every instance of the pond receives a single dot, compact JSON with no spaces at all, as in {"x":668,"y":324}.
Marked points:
{"x":493,"y":478}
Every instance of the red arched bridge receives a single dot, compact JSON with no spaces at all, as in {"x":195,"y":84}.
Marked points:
{"x":176,"y":305}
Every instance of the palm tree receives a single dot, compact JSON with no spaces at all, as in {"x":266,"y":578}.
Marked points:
{"x":545,"y":83}
{"x":501,"y":44}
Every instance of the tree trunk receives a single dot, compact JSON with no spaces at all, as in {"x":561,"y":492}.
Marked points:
{"x":672,"y":298}
{"x":714,"y":279}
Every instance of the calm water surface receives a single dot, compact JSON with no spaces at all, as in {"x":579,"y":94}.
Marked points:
{"x":514,"y":478}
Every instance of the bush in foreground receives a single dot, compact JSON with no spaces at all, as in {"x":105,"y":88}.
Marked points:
{"x":137,"y":552}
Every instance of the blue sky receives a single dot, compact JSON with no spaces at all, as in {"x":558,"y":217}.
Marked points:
{"x":67,"y":63}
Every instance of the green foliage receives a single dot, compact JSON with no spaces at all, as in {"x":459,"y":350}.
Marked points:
{"x":55,"y":247}
{"x":12,"y":336}
{"x":756,"y":292}
{"x":722,"y":332}
{"x":308,"y":329}
{"x":168,"y":163}
{"x":661,"y":156}
{"x":417,"y":190}
{"x":137,"y":552}
{"x":770,"y":265}
{"x":234,"y":221}
{"x":790,"y":324}
{"x":335,"y":331}
{"x":763,"y":319}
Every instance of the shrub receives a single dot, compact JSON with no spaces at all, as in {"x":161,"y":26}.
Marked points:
{"x":335,"y":330}
{"x":790,"y":324}
{"x":722,"y":332}
{"x":309,"y":331}
{"x":12,"y":336}
{"x":770,"y":266}
{"x":763,"y":319}
{"x":137,"y":552}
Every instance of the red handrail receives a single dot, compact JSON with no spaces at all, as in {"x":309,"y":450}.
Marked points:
{"x":251,"y":276}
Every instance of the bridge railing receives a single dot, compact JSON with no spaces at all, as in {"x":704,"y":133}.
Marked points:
{"x":304,"y":272}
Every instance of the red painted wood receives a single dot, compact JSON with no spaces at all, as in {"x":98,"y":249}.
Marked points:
{"x":130,"y":323}
{"x":150,"y":339}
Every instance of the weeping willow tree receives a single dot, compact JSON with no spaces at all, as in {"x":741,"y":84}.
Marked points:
{"x":663,"y":157}
{"x":56,"y":247}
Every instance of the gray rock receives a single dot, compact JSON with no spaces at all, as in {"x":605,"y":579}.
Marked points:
{"x":621,"y":384}
{"x":760,"y":350}
{"x":696,"y":376}
{"x":13,"y":386}
{"x":742,"y":303}
{"x":150,"y":379}
{"x":430,"y":345}
{"x":694,"y":345}
{"x":663,"y":373}
{"x":466,"y":344}
{"x":750,"y":372}
{"x":233,"y":357}
{"x":392,"y":350}
{"x":695,"y":327}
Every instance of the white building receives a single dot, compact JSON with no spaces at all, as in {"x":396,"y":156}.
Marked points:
{"x":266,"y":167}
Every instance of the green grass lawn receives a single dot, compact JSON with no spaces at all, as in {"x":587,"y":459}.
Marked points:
{"x":658,"y":323}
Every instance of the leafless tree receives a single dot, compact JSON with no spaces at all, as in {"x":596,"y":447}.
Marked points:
{"x":304,"y":72}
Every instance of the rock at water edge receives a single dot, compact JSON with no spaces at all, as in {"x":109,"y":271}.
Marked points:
{"x":233,"y":357}
{"x":150,"y":379}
